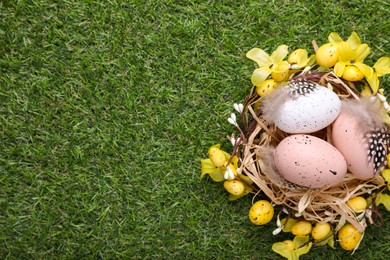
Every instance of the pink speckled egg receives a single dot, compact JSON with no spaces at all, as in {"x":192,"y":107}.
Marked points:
{"x":365,"y":153}
{"x":309,"y":161}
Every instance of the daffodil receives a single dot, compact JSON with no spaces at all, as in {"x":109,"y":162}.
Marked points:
{"x":380,"y":68}
{"x":215,"y":172}
{"x":352,"y":57}
{"x":299,"y":59}
{"x":292,"y":250}
{"x":273,"y":65}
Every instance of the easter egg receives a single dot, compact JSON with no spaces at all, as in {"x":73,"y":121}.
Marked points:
{"x":261,"y":212}
{"x":349,"y":237}
{"x":309,"y":161}
{"x":308,"y":108}
{"x":217,"y":156}
{"x":235,"y":187}
{"x":365,"y":152}
{"x":326,"y":55}
{"x":301,"y":228}
{"x":357,"y":203}
{"x":321,"y":230}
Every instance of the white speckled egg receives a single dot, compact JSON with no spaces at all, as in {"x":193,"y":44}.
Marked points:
{"x":309,"y":108}
{"x":365,"y":152}
{"x":309,"y":161}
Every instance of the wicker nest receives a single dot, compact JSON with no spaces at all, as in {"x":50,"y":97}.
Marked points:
{"x":315,"y":205}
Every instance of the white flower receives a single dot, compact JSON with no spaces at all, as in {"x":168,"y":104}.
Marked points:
{"x":233,"y":119}
{"x":238,"y":107}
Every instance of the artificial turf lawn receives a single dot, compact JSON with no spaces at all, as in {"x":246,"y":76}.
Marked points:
{"x":107,"y":107}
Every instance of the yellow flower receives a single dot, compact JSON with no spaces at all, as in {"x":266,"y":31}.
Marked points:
{"x":353,"y":40}
{"x":216,"y":173}
{"x":299,"y":59}
{"x":292,"y":249}
{"x":352,"y":57}
{"x":274,"y":64}
{"x":381,"y":67}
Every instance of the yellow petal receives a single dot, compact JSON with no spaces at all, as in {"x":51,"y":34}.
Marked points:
{"x":217,"y":175}
{"x":386,"y":174}
{"x":382,"y":66}
{"x":260,"y":57}
{"x":354,"y":40}
{"x":339,"y":68}
{"x":299,"y":241}
{"x":344,"y":52}
{"x":334,"y":37}
{"x":373,"y":81}
{"x":280,"y":67}
{"x":383,"y":199}
{"x":282,"y":249}
{"x":311,"y":60}
{"x":279,"y":54}
{"x":367,"y":70}
{"x":362,"y":52}
{"x":207,"y":167}
{"x":259,"y":75}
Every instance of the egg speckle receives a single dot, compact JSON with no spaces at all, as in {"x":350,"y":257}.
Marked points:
{"x":309,"y":161}
{"x":310,"y":107}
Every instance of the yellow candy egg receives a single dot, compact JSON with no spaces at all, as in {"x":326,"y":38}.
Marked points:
{"x":357,"y":203}
{"x":266,"y":87}
{"x":301,"y":228}
{"x":349,"y":237}
{"x":235,"y":187}
{"x":280,"y":76}
{"x":321,"y":230}
{"x":352,"y":73}
{"x":261,"y":212}
{"x":326,"y":55}
{"x":217,"y":156}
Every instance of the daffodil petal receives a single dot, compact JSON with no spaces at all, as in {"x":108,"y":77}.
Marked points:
{"x":280,"y":67}
{"x":259,"y":75}
{"x":311,"y":60}
{"x":383,"y":199}
{"x":217,"y":175}
{"x":339,"y":68}
{"x":386,"y":175}
{"x":207,"y":167}
{"x":345,"y":52}
{"x":362,"y":52}
{"x":299,"y":241}
{"x":367,"y":70}
{"x":354,"y":40}
{"x":382,"y":66}
{"x":373,"y":81}
{"x":260,"y":57}
{"x":334,"y":37}
{"x":279,"y":54}
{"x":281,"y":249}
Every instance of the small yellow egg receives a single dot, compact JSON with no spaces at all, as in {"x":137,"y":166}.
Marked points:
{"x":357,"y":203}
{"x":296,"y":55}
{"x":349,"y":237}
{"x":352,"y":73}
{"x":217,"y":156}
{"x":261,"y":212}
{"x":266,"y":87}
{"x":301,"y":228}
{"x":321,"y":230}
{"x":280,"y":76}
{"x":326,"y":55}
{"x":235,"y":187}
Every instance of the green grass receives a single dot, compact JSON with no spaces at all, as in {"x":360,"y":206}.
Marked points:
{"x":106,"y":108}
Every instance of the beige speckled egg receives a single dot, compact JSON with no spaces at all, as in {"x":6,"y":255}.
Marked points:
{"x":365,"y":153}
{"x":309,"y":161}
